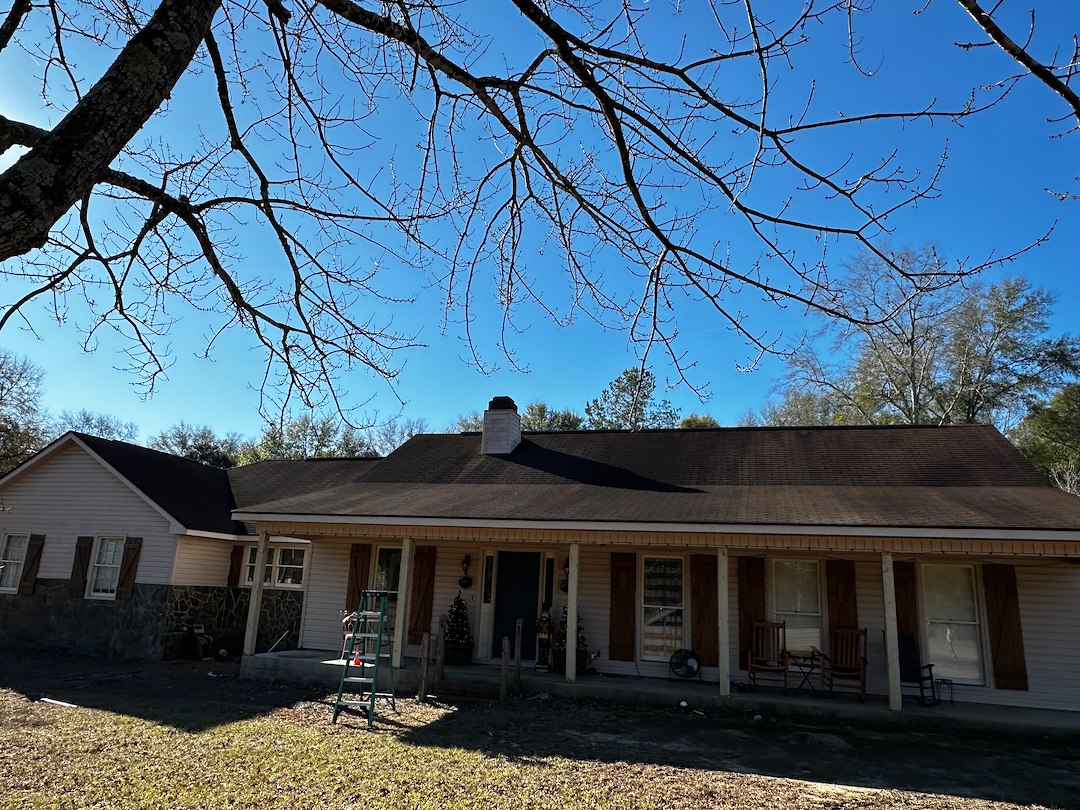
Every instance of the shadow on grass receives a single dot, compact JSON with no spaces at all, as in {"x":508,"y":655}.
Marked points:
{"x":1039,"y":770}
{"x":196,"y":696}
{"x":189,"y":696}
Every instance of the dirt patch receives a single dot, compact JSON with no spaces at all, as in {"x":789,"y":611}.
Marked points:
{"x":835,"y":766}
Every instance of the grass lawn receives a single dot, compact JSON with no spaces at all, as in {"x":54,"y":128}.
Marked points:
{"x":139,"y":741}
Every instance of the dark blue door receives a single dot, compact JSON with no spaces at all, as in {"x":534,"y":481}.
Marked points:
{"x":517,"y":588}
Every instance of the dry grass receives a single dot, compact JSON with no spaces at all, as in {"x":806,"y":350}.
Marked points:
{"x":223,"y":749}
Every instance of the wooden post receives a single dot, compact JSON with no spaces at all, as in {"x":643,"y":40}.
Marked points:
{"x":504,"y":680}
{"x":425,"y":648}
{"x":440,"y":649}
{"x":251,"y":630}
{"x":723,"y":635}
{"x":572,"y":613}
{"x":401,"y":621}
{"x":892,"y":646}
{"x":517,"y":656}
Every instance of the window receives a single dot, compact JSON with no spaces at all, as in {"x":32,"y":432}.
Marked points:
{"x":12,"y":555}
{"x":284,"y":566}
{"x":796,"y":601}
{"x":105,"y":562}
{"x":952,"y":622}
{"x":662,"y":607}
{"x":388,"y":578}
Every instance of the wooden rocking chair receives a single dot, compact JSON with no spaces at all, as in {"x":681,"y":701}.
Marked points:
{"x":768,"y":653}
{"x":846,"y":660}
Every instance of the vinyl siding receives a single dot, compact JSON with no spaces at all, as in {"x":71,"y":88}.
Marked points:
{"x":72,"y":494}
{"x":201,"y":561}
{"x":1049,"y":596}
{"x":328,"y":582}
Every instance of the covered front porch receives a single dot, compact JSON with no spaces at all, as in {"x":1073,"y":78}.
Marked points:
{"x":640,"y":595}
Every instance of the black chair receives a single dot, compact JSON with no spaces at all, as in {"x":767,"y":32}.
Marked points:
{"x":914,"y":672}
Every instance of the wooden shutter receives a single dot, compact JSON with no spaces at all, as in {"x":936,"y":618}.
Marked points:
{"x":840,"y":594}
{"x":30,"y":564}
{"x":423,"y":593}
{"x":907,"y":602}
{"x":1003,"y":620}
{"x":622,"y":616}
{"x":359,"y":563}
{"x":236,"y":565}
{"x":125,"y":587}
{"x":703,"y":598}
{"x":84,"y":546}
{"x":751,"y":602}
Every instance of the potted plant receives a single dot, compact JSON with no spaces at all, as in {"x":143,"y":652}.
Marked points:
{"x":558,"y":646}
{"x":459,"y":639}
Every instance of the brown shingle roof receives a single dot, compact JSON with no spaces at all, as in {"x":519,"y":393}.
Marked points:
{"x":958,"y":477}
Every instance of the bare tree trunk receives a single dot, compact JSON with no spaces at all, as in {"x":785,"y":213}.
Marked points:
{"x":63,"y":166}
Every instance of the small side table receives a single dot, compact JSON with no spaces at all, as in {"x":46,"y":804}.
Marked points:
{"x":808,"y":666}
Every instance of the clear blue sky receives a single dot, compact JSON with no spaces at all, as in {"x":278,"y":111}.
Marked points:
{"x":994,"y":199}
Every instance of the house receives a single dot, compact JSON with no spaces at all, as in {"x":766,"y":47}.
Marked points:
{"x":111,"y":548}
{"x":658,"y":540}
{"x":682,"y":539}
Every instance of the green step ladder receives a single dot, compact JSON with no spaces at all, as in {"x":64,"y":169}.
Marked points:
{"x":368,"y":663}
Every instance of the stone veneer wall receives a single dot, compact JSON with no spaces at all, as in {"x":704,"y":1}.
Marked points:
{"x":223,"y":613}
{"x":51,"y":621}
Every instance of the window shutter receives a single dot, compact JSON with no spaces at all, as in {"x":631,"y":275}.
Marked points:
{"x":840,"y":593}
{"x":423,"y":593}
{"x":907,"y":603}
{"x":236,"y":566}
{"x":703,"y":605}
{"x":622,"y":618}
{"x":751,"y":578}
{"x":30,"y":564}
{"x":77,"y":584}
{"x":359,"y":564}
{"x":125,"y":587}
{"x":1003,"y":622}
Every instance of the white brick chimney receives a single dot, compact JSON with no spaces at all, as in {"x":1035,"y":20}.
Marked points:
{"x":502,"y":428}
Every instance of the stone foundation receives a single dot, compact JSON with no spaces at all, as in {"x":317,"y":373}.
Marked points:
{"x":223,"y":614}
{"x":50,"y":621}
{"x":149,"y":624}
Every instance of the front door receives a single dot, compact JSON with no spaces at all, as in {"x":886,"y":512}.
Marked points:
{"x":517,"y":592}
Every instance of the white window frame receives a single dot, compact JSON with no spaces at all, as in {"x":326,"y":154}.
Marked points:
{"x":778,"y":616}
{"x":273,"y":568}
{"x":979,"y":623}
{"x":94,"y":569}
{"x":642,"y":605}
{"x":16,"y":564}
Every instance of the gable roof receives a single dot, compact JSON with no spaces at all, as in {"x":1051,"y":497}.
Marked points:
{"x":200,"y":497}
{"x":197,"y":496}
{"x":922,"y":477}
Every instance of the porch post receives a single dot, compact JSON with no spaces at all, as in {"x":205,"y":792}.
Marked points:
{"x":723,"y":640}
{"x":404,"y":600}
{"x":572,"y":612}
{"x":251,"y":629}
{"x":892,"y":647}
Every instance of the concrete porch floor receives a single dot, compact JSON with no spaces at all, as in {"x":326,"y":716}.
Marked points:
{"x":323,"y":668}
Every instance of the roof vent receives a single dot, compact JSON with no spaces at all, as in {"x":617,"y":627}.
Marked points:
{"x":502,"y":427}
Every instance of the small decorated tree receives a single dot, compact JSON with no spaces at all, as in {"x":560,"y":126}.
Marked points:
{"x":459,"y":639}
{"x":561,"y":642}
